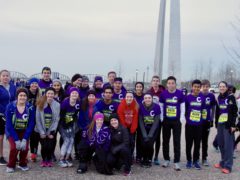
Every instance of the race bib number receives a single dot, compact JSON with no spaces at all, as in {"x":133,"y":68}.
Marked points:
{"x":68,"y":118}
{"x":204,"y":114}
{"x":223,"y":118}
{"x":21,"y":124}
{"x":195,"y":115}
{"x":148,"y":120}
{"x":171,"y":111}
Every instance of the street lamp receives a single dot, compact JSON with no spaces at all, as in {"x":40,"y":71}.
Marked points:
{"x":136,"y":74}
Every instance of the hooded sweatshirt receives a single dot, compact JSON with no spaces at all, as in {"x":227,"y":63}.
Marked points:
{"x":128,"y":115}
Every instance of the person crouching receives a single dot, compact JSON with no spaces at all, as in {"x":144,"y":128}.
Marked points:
{"x":20,"y":122}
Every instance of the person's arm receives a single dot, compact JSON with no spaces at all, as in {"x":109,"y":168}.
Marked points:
{"x":31,"y":123}
{"x":183,"y":112}
{"x":9,"y":124}
{"x":142,"y":127}
{"x":39,"y":124}
{"x":162,"y":111}
{"x":54,"y":126}
{"x":232,"y":111}
{"x":154,"y":127}
{"x":134,"y":125}
{"x":121,"y":115}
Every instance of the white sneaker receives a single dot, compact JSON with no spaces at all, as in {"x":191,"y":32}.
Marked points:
{"x":23,"y":168}
{"x":177,"y":167}
{"x":62,"y":163}
{"x":205,"y":163}
{"x":69,"y":163}
{"x":166,"y":164}
{"x":10,"y":170}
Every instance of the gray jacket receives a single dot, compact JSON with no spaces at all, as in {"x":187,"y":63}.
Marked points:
{"x":40,"y":121}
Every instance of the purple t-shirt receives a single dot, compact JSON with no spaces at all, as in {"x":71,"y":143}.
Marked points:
{"x":210,"y":102}
{"x":69,"y":112}
{"x":194,"y":107}
{"x":43,"y":85}
{"x":21,"y":120}
{"x":139,"y":99}
{"x":118,"y":97}
{"x":223,"y":110}
{"x":48,"y":117}
{"x":106,"y":109}
{"x":149,"y":114}
{"x":171,"y":104}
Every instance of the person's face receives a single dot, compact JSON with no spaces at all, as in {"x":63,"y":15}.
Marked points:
{"x":117,"y":85}
{"x":111,"y":77}
{"x":98,"y":84}
{"x":196,"y":88}
{"x":50,"y":95}
{"x":99,"y":122}
{"x":139,"y":88}
{"x":171,"y":85}
{"x":5,"y":77}
{"x":108,"y":94}
{"x":155,"y":82}
{"x":34,"y":86}
{"x":129,"y":98}
{"x":114,"y":123}
{"x":57,"y":86}
{"x":222,"y":88}
{"x":22,"y":98}
{"x":91,"y":98}
{"x":205,"y":88}
{"x":46,"y":74}
{"x":74,"y":95}
{"x":148,"y":100}
{"x":85,"y":84}
{"x":78,"y":82}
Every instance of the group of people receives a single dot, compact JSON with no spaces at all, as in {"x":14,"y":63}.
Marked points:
{"x":109,"y":125}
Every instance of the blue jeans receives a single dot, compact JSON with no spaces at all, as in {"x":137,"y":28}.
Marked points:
{"x":226,"y":143}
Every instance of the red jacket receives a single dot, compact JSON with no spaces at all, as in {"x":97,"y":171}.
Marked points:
{"x":128,"y":115}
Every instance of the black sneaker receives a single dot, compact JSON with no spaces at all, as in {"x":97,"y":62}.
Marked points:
{"x":3,"y":162}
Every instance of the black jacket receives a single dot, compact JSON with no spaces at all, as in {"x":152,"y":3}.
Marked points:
{"x":119,"y":139}
{"x":232,"y":111}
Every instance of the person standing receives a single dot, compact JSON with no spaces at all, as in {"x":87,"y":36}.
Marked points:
{"x":226,"y":114}
{"x":172,"y":103}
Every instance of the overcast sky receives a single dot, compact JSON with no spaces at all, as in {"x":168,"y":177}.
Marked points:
{"x":96,"y":36}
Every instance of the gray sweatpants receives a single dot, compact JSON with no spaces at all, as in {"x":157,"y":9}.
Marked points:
{"x":226,"y":143}
{"x":68,"y":141}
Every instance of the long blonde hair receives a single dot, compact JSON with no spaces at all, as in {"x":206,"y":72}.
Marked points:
{"x":41,"y":102}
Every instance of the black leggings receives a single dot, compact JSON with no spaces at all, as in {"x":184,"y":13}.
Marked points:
{"x":147,"y":147}
{"x":158,"y":142}
{"x":48,"y":146}
{"x":34,"y":141}
{"x":138,"y":145}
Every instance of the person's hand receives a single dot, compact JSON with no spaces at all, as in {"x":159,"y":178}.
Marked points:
{"x":23,"y":144}
{"x":42,"y":136}
{"x":18,"y":145}
{"x":50,"y":136}
{"x":233,"y":129}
